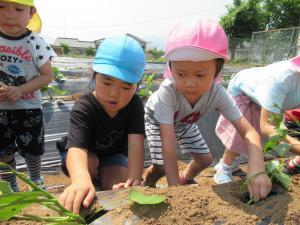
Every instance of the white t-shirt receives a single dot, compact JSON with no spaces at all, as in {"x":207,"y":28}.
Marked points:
{"x":168,"y":106}
{"x":275,"y":84}
{"x":20,"y":60}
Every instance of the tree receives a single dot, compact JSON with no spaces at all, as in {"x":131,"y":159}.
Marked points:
{"x":247,"y":16}
{"x":281,"y":13}
{"x":243,"y":18}
{"x":65,"y":48}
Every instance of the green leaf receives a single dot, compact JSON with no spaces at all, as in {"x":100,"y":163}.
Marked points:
{"x":142,"y":199}
{"x":282,"y":149}
{"x":284,"y":179}
{"x":5,"y":188}
{"x":12,"y":204}
{"x":273,"y":169}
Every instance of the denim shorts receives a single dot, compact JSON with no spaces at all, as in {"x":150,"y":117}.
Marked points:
{"x":112,"y":160}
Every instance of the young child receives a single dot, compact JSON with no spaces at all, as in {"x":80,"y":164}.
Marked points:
{"x":196,"y":51}
{"x":106,"y":125}
{"x":25,"y":68}
{"x":257,"y":91}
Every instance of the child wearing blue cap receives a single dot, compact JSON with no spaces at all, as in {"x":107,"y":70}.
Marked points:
{"x":106,"y":133}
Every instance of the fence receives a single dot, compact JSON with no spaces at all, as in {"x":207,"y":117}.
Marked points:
{"x":266,"y":46}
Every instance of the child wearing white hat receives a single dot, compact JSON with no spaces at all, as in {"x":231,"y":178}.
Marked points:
{"x":196,"y":50}
{"x":25,"y":68}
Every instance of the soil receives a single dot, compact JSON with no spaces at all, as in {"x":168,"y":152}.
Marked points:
{"x":204,"y":203}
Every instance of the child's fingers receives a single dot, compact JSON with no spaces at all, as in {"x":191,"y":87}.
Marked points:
{"x":128,"y":183}
{"x":69,"y":200}
{"x":63,"y":197}
{"x":77,"y":201}
{"x":89,"y":198}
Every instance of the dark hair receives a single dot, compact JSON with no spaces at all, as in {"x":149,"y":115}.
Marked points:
{"x":219,"y":65}
{"x":92,"y":83}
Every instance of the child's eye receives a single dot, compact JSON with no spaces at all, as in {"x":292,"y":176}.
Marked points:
{"x":19,"y":9}
{"x":106,"y":83}
{"x":200,"y":75}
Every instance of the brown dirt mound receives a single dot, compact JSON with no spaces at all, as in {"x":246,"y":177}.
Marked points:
{"x":205,"y":203}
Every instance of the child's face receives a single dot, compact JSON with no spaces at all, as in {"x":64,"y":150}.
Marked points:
{"x":193,"y":79}
{"x":113,"y":94}
{"x":14,"y":18}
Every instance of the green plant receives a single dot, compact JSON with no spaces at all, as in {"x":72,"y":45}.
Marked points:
{"x":146,"y":87}
{"x":11,"y":203}
{"x":58,"y":76}
{"x":90,"y":51}
{"x":276,"y":143}
{"x":65,"y":48}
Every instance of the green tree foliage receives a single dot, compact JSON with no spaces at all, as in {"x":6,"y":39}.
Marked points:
{"x":246,"y":16}
{"x":243,"y":18}
{"x":65,"y":48}
{"x":90,"y":51}
{"x":281,"y":13}
{"x":156,"y":53}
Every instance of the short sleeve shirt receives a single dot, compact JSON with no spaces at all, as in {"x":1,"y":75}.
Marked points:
{"x":168,"y":106}
{"x":93,"y":129}
{"x":20,"y":61}
{"x":276,"y":84}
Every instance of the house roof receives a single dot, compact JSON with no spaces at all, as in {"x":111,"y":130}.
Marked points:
{"x":74,"y":43}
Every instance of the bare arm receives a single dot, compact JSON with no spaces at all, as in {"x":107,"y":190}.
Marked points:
{"x":81,"y":189}
{"x":16,"y":92}
{"x":259,"y":186}
{"x":269,"y":129}
{"x":135,"y":156}
{"x":135,"y":161}
{"x":169,"y":141}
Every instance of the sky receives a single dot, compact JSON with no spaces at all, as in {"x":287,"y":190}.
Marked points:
{"x":89,"y":20}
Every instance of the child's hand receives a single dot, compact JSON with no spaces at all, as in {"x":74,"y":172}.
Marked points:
{"x":259,"y":186}
{"x":80,"y":192}
{"x":14,"y":93}
{"x":3,"y":91}
{"x":128,"y":183}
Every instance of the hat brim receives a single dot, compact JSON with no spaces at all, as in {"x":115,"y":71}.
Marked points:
{"x":192,"y":54}
{"x":35,"y":24}
{"x":21,"y":2}
{"x":296,"y":63}
{"x":116,"y":72}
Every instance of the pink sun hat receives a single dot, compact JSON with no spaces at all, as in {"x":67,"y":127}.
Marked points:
{"x":196,"y":39}
{"x":296,"y":63}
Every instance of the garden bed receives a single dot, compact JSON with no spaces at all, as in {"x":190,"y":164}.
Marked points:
{"x":205,"y":203}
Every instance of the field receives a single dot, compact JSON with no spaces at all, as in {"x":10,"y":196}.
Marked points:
{"x":205,"y":203}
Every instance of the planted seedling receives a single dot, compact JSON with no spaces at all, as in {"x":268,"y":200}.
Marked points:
{"x":12,"y":203}
{"x":59,"y":78}
{"x":274,"y":171}
{"x":146,"y":87}
{"x":134,"y":196}
{"x":276,"y":143}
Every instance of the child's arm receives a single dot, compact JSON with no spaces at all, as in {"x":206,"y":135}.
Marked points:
{"x":168,"y":141}
{"x":81,"y":189}
{"x":135,"y":161}
{"x":269,"y":129}
{"x":260,"y":186}
{"x":14,"y":93}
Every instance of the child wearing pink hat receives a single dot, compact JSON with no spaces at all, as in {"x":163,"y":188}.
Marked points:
{"x":259,"y":92}
{"x":196,"y":51}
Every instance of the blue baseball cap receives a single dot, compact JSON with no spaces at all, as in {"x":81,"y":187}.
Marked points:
{"x":120,"y":57}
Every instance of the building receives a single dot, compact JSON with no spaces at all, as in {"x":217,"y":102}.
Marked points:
{"x":78,"y":47}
